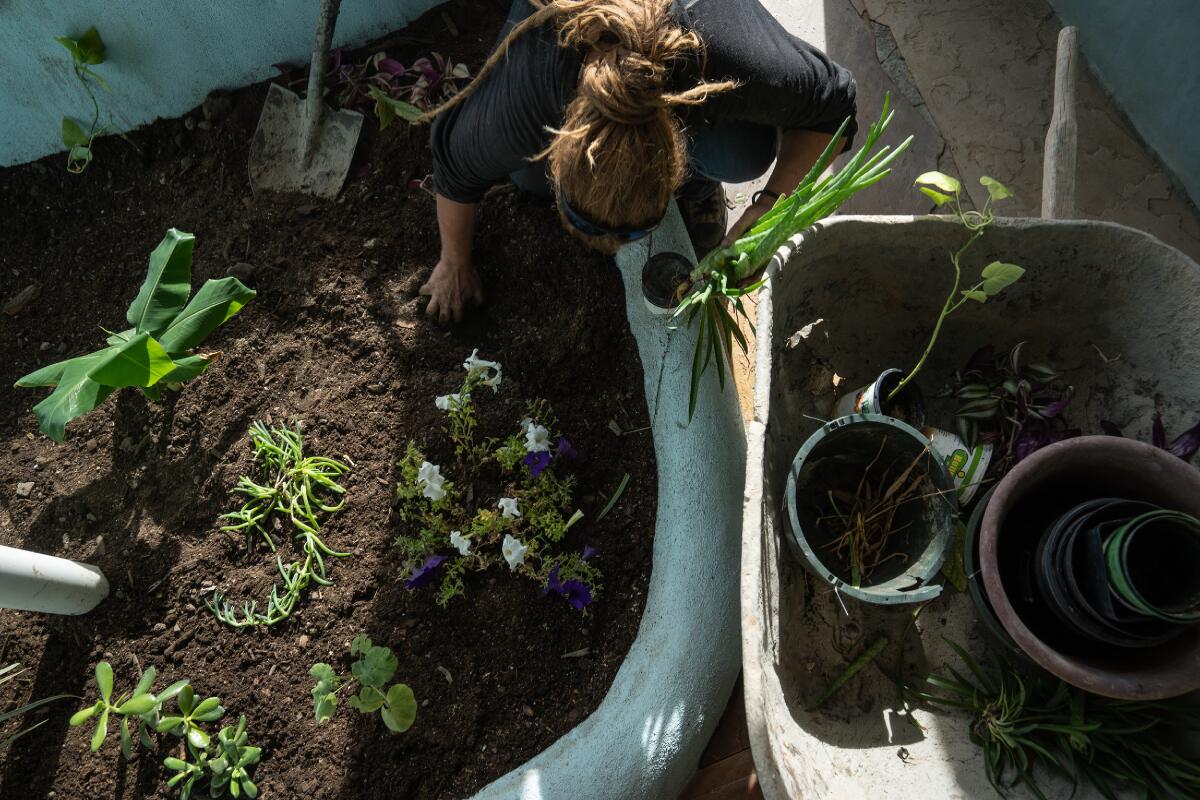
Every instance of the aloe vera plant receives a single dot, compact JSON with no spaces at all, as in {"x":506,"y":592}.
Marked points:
{"x":158,"y":350}
{"x":716,"y":279}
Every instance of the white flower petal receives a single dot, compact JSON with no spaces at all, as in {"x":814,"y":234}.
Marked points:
{"x":537,"y":439}
{"x":514,"y":551}
{"x":461,"y":542}
{"x":508,"y":507}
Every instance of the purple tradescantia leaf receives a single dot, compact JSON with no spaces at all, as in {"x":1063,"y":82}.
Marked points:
{"x":1110,"y":428}
{"x":1030,"y":441}
{"x":424,"y":574}
{"x":588,"y":551}
{"x":578,"y":594}
{"x":1052,"y":410}
{"x":1158,"y":434}
{"x":1186,"y":444}
{"x":536,"y":462}
{"x":982,"y":359}
{"x":392,"y":66}
{"x":564,"y":449}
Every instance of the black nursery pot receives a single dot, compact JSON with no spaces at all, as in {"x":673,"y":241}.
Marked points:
{"x":662,"y":276}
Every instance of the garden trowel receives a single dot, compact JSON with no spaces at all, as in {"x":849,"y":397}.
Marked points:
{"x":300,"y":145}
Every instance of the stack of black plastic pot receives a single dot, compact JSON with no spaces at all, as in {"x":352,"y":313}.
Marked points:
{"x":1120,"y":572}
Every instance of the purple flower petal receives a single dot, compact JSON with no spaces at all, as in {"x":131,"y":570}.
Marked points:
{"x":536,"y":462}
{"x":553,"y":584}
{"x":588,"y":551}
{"x":578,"y":593}
{"x":1110,"y":428}
{"x":1186,"y":444}
{"x":1158,"y":434}
{"x":564,"y":449}
{"x":424,"y":574}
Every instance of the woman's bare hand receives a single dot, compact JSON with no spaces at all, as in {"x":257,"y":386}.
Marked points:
{"x":451,"y":288}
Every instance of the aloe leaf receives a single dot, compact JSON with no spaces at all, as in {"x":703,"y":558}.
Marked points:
{"x":214,"y":303}
{"x":167,"y":285}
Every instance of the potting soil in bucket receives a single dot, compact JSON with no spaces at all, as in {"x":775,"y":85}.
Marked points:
{"x":871,"y":509}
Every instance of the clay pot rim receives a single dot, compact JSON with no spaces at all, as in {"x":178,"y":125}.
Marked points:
{"x":1098,"y":680}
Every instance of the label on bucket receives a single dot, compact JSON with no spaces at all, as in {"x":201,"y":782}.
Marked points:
{"x":860,"y":401}
{"x":966,"y":466}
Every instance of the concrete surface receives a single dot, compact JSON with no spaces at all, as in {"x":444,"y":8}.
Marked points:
{"x":164,"y":56}
{"x":1145,"y":54}
{"x":646,"y":738}
{"x":1109,"y":303}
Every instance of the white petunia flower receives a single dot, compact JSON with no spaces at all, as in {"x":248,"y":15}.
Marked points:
{"x":508,"y":505}
{"x":537,"y":439}
{"x":486,"y":372}
{"x":446,"y":401}
{"x":514,"y":552}
{"x":525,"y":425}
{"x":461,"y":542}
{"x":429,"y":476}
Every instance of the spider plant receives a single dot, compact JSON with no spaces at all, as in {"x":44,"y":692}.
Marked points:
{"x":717,"y":279}
{"x":1040,"y":723}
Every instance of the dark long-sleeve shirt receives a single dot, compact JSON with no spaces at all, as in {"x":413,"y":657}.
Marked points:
{"x":784,"y":82}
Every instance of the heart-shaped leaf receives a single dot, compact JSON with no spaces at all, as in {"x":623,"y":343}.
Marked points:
{"x":91,"y":47}
{"x":401,"y":708}
{"x":375,"y":667}
{"x":367,"y":700}
{"x":71,"y":46}
{"x":976,"y":295}
{"x":213,"y":304}
{"x":141,"y":361}
{"x":72,"y":134}
{"x":997,"y":276}
{"x":939,"y":180}
{"x":936,"y":196}
{"x":167,"y":285}
{"x":995,"y":189}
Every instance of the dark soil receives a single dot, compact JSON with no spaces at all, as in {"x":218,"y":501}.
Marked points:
{"x":336,"y":338}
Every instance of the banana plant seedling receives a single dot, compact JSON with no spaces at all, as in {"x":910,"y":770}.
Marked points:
{"x":718,"y":278}
{"x":376,"y":665}
{"x":159,"y":350}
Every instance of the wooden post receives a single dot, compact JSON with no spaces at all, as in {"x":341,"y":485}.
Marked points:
{"x":1058,"y":168}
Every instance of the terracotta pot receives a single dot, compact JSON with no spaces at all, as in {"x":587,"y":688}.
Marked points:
{"x":1034,"y":494}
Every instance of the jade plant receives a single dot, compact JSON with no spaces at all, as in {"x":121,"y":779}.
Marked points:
{"x":86,"y":52}
{"x":945,"y":190}
{"x":225,"y":762}
{"x":159,"y":350}
{"x":1026,"y":724}
{"x":376,"y":665}
{"x":719,"y":277}
{"x":304,"y":490}
{"x":524,"y":518}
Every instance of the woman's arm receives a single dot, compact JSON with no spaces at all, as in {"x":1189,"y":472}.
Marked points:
{"x":454,"y":281}
{"x":798,"y":151}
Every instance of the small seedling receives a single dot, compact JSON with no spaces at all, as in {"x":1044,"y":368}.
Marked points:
{"x":995,"y":277}
{"x":376,"y":665}
{"x":7,"y":674}
{"x":158,"y":351}
{"x":226,"y":761}
{"x":86,"y":52}
{"x":302,"y":488}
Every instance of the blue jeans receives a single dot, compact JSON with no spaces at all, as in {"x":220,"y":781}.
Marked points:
{"x":731,"y":151}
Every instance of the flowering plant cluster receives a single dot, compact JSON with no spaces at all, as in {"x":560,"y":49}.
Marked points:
{"x":452,"y":530}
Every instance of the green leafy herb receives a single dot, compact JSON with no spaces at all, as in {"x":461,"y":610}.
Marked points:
{"x":397,"y":706}
{"x":717,"y":279}
{"x":155,"y":352}
{"x":304,"y":489}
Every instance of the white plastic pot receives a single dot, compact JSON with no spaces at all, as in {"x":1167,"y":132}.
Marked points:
{"x":51,"y":585}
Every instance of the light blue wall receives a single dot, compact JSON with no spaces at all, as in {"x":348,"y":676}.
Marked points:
{"x":1147,"y":54}
{"x":164,"y":56}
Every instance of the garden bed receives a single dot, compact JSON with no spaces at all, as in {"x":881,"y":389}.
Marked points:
{"x":336,"y":338}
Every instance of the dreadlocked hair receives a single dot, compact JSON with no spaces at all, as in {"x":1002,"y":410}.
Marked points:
{"x":620,"y":153}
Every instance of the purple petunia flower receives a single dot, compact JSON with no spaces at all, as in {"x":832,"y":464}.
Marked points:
{"x":588,"y":551}
{"x":536,"y":462}
{"x":564,"y":449}
{"x":553,"y":584}
{"x":424,"y":574}
{"x":578,"y":594}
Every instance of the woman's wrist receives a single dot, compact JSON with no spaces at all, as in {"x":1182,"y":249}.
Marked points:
{"x":764,"y":196}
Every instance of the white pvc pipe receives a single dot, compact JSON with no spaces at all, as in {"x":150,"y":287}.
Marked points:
{"x":52,"y":585}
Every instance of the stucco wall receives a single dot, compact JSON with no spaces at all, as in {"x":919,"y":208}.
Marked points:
{"x":1145,"y":54}
{"x":164,"y":56}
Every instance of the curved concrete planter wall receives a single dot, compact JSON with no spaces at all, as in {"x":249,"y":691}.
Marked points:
{"x":1112,"y":305}
{"x":645,"y":739}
